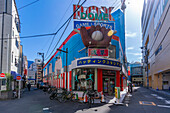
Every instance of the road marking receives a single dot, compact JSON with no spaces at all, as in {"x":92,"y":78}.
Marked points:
{"x":44,"y":109}
{"x":147,"y":103}
{"x":167,"y":101}
{"x":163,"y":106}
{"x":154,"y":95}
{"x":161,"y":98}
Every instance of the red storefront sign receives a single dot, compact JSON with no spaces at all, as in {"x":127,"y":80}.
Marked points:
{"x":87,"y":13}
{"x":98,"y":52}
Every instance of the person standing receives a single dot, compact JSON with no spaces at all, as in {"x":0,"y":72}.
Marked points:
{"x":29,"y":86}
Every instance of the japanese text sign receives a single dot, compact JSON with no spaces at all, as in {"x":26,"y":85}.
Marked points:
{"x":98,"y":61}
{"x":98,"y":52}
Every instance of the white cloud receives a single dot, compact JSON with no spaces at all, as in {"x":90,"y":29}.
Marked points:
{"x":130,"y":34}
{"x":139,"y":58}
{"x":130,"y":48}
{"x":136,"y":54}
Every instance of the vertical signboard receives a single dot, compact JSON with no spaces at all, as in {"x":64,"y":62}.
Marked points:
{"x":117,"y":92}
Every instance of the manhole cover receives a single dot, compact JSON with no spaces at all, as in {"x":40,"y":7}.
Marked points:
{"x":147,"y":103}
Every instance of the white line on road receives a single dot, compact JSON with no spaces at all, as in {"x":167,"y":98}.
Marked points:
{"x":154,"y":95}
{"x":163,"y":106}
{"x":167,"y":101}
{"x":161,"y":98}
{"x":44,"y":109}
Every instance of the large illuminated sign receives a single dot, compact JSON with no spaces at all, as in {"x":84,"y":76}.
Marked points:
{"x":93,"y":13}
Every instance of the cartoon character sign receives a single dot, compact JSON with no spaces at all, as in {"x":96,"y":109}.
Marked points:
{"x":96,"y":36}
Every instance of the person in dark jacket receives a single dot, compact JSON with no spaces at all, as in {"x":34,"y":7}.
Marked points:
{"x":29,"y":86}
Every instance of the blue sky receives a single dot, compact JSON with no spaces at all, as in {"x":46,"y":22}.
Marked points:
{"x":46,"y":16}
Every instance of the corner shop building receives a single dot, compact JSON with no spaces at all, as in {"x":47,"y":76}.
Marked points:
{"x":100,"y":69}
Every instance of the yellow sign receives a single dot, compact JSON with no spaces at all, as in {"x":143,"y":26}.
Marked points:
{"x":117,"y":92}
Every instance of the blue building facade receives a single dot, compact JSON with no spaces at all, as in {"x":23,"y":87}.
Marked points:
{"x":105,"y":72}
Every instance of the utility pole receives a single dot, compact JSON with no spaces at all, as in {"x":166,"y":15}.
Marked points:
{"x":66,"y":62}
{"x":146,"y":61}
{"x":42,"y":54}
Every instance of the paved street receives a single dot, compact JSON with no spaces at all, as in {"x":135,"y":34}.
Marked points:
{"x":35,"y":100}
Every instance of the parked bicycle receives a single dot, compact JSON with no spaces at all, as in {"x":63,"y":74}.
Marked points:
{"x":67,"y":95}
{"x":91,"y":95}
{"x":56,"y":94}
{"x":51,"y":89}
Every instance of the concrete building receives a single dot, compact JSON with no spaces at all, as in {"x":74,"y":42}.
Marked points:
{"x":10,"y":48}
{"x":156,"y":43}
{"x":35,"y":72}
{"x":136,"y":73}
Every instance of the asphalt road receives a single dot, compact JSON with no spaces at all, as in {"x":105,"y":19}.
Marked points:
{"x":142,"y":101}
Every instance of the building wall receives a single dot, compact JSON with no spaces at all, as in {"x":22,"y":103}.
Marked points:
{"x":9,"y":54}
{"x":156,"y":36}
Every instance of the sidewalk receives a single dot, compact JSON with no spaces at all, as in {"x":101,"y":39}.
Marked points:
{"x":161,"y":91}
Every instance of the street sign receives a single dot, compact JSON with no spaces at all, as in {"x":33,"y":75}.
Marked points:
{"x":18,"y":77}
{"x":2,"y":75}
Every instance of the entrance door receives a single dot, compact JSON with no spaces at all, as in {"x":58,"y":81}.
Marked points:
{"x":105,"y":85}
{"x":111,"y":86}
{"x":108,"y":85}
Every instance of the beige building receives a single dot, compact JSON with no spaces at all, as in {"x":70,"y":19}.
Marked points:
{"x":156,"y":43}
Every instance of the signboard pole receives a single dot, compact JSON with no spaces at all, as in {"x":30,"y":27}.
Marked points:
{"x":117,"y":95}
{"x":19,"y":93}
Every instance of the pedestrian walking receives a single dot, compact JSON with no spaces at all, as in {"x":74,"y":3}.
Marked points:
{"x":29,"y":86}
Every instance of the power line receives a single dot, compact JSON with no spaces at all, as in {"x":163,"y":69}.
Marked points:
{"x":28,"y":4}
{"x":69,"y":19}
{"x":31,"y":36}
{"x":41,"y":35}
{"x":114,"y":3}
{"x":58,"y":40}
{"x":57,"y":26}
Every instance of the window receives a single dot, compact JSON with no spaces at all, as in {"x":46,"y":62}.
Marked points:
{"x":112,"y":51}
{"x":50,"y":68}
{"x":16,"y":43}
{"x":12,"y":57}
{"x":158,"y":50}
{"x":84,"y":79}
{"x":158,"y":12}
{"x":3,"y":82}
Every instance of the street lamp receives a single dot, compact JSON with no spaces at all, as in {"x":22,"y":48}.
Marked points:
{"x":146,"y":61}
{"x":66,"y":61}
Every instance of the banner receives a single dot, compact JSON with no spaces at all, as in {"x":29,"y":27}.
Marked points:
{"x":95,"y":61}
{"x":107,"y":25}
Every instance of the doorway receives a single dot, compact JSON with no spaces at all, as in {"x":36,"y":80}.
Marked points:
{"x":108,"y":85}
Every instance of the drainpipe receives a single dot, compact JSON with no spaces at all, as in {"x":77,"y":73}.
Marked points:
{"x":2,"y":42}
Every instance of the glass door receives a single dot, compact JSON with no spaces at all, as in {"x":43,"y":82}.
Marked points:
{"x":105,"y":85}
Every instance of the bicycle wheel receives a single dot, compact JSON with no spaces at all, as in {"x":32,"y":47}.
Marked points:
{"x":51,"y":97}
{"x":59,"y":97}
{"x":64,"y":98}
{"x":72,"y":96}
{"x":90,"y":102}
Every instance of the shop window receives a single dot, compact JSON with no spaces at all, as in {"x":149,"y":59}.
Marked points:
{"x":50,"y":68}
{"x":84,"y":79}
{"x":112,"y":51}
{"x":3,"y":82}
